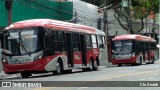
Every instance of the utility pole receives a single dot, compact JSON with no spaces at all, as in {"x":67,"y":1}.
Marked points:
{"x":105,"y":18}
{"x":129,"y":17}
{"x":8,"y":6}
{"x":105,"y":29}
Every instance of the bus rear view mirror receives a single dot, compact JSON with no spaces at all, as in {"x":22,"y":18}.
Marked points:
{"x":6,"y":34}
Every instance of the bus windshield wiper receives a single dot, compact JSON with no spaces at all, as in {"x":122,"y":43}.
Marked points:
{"x":23,"y":46}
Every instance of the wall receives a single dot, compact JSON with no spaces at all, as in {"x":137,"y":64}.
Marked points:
{"x":32,"y":9}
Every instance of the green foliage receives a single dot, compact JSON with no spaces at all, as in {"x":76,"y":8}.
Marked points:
{"x":142,"y":8}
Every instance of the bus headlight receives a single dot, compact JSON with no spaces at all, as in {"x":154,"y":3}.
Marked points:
{"x":132,"y":55}
{"x":37,"y":57}
{"x":113,"y":56}
{"x":4,"y":61}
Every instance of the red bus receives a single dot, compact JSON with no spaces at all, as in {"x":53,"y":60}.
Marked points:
{"x":133,"y":49}
{"x":45,"y":45}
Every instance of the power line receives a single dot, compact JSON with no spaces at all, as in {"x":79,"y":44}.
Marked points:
{"x":41,"y":10}
{"x":49,"y":7}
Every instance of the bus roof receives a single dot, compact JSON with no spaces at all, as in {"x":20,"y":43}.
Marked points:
{"x":133,"y":36}
{"x":55,"y":24}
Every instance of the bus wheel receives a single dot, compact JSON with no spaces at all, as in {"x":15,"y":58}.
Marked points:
{"x":25,"y":75}
{"x":140,"y":61}
{"x":91,"y":66}
{"x":119,"y":65}
{"x":58,"y":69}
{"x":96,"y":66}
{"x":153,"y":61}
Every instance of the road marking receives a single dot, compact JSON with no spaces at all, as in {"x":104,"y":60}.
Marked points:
{"x":141,"y":79}
{"x":151,"y":78}
{"x":83,"y":87}
{"x":106,"y":78}
{"x":124,"y":75}
{"x":44,"y":88}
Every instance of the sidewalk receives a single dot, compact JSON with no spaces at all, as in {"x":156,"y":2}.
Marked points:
{"x":3,"y":75}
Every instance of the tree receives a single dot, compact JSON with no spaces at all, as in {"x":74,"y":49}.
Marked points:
{"x":140,"y":9}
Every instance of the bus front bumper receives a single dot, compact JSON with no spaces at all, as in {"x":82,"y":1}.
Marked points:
{"x":35,"y":66}
{"x":124,"y":61}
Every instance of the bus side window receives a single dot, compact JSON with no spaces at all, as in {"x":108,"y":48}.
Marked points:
{"x":94,"y":41}
{"x":61,"y":41}
{"x":103,"y":39}
{"x":100,"y":42}
{"x":154,"y":45}
{"x":88,"y":41}
{"x":49,"y":50}
{"x":136,"y":47}
{"x":55,"y":40}
{"x":140,"y":46}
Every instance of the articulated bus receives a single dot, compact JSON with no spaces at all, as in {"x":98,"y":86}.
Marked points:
{"x":133,"y":49}
{"x":45,"y":45}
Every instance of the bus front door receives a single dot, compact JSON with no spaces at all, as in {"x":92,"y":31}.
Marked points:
{"x":69,"y":49}
{"x":83,"y":50}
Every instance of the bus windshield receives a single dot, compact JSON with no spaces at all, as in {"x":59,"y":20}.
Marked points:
{"x":123,"y":47}
{"x":21,"y":41}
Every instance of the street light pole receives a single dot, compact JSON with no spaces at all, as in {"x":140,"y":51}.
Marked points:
{"x":105,"y":18}
{"x":8,"y":6}
{"x":129,"y":17}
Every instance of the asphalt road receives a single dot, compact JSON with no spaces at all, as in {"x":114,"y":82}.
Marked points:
{"x":141,"y":73}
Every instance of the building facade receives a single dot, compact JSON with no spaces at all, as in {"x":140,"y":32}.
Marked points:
{"x":85,"y":13}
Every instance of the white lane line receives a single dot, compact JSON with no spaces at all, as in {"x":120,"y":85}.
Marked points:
{"x":150,"y":78}
{"x":142,"y":79}
{"x":132,"y":80}
{"x":83,"y":87}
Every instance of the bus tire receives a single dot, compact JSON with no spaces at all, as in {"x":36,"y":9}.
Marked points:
{"x":153,"y":60}
{"x":59,"y":69}
{"x":25,"y":75}
{"x":119,"y":65}
{"x":96,"y":65}
{"x":91,"y":66}
{"x":140,"y":61}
